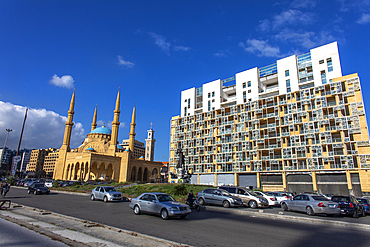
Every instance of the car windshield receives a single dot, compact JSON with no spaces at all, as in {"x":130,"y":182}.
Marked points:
{"x":362,"y":200}
{"x":320,"y":198}
{"x":340,"y":199}
{"x":225,"y":193}
{"x":165,"y":198}
{"x":253,"y":193}
{"x":109,"y":189}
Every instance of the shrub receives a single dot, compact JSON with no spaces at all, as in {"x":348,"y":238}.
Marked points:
{"x":180,"y":190}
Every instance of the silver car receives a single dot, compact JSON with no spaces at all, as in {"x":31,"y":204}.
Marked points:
{"x":159,"y":203}
{"x":218,"y":197}
{"x":105,"y":193}
{"x":311,"y":204}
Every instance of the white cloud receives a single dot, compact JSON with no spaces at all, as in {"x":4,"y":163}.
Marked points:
{"x":291,"y":17}
{"x":43,"y":128}
{"x":305,"y":39}
{"x":303,"y":4}
{"x":64,"y":81}
{"x":222,"y":53}
{"x":264,"y":25}
{"x":365,"y":18}
{"x":260,"y":47}
{"x":121,"y":61}
{"x":165,"y":46}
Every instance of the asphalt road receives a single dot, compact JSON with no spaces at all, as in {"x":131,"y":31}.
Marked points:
{"x":204,"y":228}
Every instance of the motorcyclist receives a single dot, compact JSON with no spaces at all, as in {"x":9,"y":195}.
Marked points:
{"x":5,"y":189}
{"x":190,"y":199}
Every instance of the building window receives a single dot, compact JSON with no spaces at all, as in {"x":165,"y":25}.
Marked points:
{"x":213,"y":94}
{"x":209,"y":105}
{"x":189,"y":103}
{"x":249,"y":91}
{"x":209,"y":95}
{"x":244,"y":95}
{"x":323,"y":77}
{"x":330,"y":64}
{"x":213,"y":100}
{"x":288,"y":88}
{"x":321,"y":61}
{"x":249,"y":83}
{"x":244,"y":85}
{"x":185,"y":111}
{"x":286,"y":73}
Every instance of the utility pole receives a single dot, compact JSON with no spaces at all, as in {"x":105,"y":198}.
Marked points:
{"x":6,"y":139}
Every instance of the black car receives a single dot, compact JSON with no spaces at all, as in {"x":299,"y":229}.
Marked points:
{"x":38,"y":188}
{"x":349,"y":205}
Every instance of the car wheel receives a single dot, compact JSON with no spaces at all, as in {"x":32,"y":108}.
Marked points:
{"x":309,"y":211}
{"x":92,"y":198}
{"x":201,"y":201}
{"x":105,"y":199}
{"x":363,"y":213}
{"x":355,"y":214}
{"x":284,"y":206}
{"x":252,"y":204}
{"x":137,"y":210}
{"x":226,"y":204}
{"x":164,"y":214}
{"x":28,"y":191}
{"x":48,"y":192}
{"x":35,"y":192}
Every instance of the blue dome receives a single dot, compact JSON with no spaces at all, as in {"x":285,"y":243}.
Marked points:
{"x":101,"y":130}
{"x":119,"y":146}
{"x":89,"y":149}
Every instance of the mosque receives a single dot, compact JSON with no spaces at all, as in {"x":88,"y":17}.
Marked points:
{"x":100,"y":156}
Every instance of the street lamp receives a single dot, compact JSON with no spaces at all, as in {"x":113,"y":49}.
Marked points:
{"x":6,"y":139}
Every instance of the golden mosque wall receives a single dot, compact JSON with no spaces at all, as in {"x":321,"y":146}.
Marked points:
{"x":99,"y":156}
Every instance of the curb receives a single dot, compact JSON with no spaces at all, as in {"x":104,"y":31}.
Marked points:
{"x":262,"y":214}
{"x":92,"y":223}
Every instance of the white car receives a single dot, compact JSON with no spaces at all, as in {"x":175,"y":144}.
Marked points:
{"x":280,"y":196}
{"x":49,"y":183}
{"x":270,"y":198}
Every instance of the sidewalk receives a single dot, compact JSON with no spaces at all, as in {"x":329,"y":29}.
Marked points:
{"x":76,"y":232}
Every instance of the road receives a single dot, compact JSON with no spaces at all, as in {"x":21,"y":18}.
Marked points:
{"x":205,"y":228}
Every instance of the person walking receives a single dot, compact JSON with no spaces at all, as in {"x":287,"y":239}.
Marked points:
{"x":5,"y":189}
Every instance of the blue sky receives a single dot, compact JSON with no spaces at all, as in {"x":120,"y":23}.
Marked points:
{"x":152,"y":50}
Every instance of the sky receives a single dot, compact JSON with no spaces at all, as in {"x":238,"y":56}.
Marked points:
{"x":151,"y":51}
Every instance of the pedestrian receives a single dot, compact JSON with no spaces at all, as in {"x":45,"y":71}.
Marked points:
{"x":5,"y":189}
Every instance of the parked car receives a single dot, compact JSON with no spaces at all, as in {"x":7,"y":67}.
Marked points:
{"x":270,"y":198}
{"x":38,"y":188}
{"x":105,"y":193}
{"x":311,"y":204}
{"x":49,"y":183}
{"x":248,"y":198}
{"x":349,"y":206}
{"x":218,"y":197}
{"x":159,"y":203}
{"x":280,"y":196}
{"x":365,"y":203}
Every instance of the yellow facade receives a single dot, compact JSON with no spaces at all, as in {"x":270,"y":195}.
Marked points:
{"x":99,"y":156}
{"x":312,"y":133}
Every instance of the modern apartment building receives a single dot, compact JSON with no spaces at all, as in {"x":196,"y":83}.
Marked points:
{"x":49,"y":161}
{"x":296,"y":125}
{"x":37,"y":159}
{"x":139,"y":148}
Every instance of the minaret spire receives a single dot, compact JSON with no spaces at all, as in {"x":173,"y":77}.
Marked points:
{"x":93,"y":125}
{"x":132,"y":131}
{"x":69,"y":124}
{"x":115,"y":125}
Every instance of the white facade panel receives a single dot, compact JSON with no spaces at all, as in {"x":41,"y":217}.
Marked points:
{"x":287,"y":70}
{"x":247,"y":76}
{"x":323,"y":53}
{"x":186,"y":107}
{"x":212,"y":93}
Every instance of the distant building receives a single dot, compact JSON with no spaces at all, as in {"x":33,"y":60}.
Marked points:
{"x":37,"y":159}
{"x":50,"y":160}
{"x":139,"y":148}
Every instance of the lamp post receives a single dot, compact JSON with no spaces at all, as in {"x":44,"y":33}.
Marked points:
{"x":6,"y":139}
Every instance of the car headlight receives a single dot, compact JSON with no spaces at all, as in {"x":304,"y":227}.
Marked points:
{"x":173,"y":209}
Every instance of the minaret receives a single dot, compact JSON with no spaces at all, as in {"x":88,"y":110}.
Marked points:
{"x":149,"y":147}
{"x":65,"y":148}
{"x":115,"y":125}
{"x":132,"y":134}
{"x":93,"y":125}
{"x":69,"y":125}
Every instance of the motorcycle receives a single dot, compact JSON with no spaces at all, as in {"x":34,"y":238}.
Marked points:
{"x":195,"y":205}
